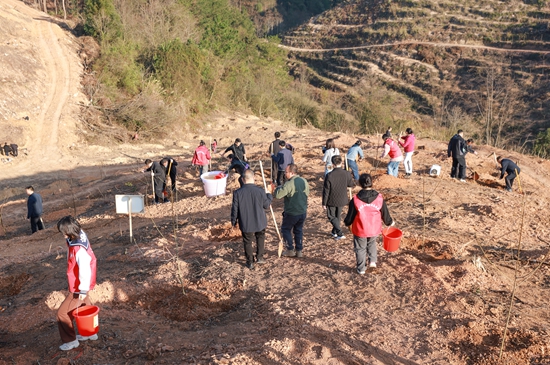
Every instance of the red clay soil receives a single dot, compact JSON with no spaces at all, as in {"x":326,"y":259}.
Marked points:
{"x":182,"y":295}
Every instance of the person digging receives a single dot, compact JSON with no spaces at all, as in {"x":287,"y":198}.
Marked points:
{"x":510,"y":168}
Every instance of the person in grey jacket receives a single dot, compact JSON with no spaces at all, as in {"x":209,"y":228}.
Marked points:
{"x":248,"y":209}
{"x":335,"y":195}
{"x":34,"y":209}
{"x":283,"y":158}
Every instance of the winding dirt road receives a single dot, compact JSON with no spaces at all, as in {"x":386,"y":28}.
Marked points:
{"x":435,"y":44}
{"x":52,"y":127}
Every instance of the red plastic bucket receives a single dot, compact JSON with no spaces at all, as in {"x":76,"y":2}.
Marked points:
{"x":392,"y":237}
{"x":87,"y":320}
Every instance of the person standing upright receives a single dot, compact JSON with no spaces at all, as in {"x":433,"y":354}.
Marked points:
{"x":14,"y":149}
{"x":81,"y":275}
{"x":366,"y":212}
{"x":282,"y":159}
{"x":248,"y":209}
{"x":329,"y":150}
{"x":295,"y":193}
{"x":408,"y":146}
{"x":274,"y":149}
{"x":159,"y":179}
{"x":392,"y":149}
{"x":34,"y":209}
{"x":511,"y":169}
{"x":457,"y":150}
{"x":335,"y":195}
{"x":7,"y":149}
{"x":355,"y":153}
{"x":237,"y":149}
{"x":201,"y":157}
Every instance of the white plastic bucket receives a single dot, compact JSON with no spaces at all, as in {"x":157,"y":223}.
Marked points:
{"x":435,"y":170}
{"x":213,"y":186}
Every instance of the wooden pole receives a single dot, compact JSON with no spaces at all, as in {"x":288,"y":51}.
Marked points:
{"x":347,"y":169}
{"x":130,"y":219}
{"x":280,"y":252}
{"x":210,"y":149}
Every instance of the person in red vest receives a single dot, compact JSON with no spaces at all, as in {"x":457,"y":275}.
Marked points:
{"x":366,"y":212}
{"x":392,"y":149}
{"x":201,"y":157}
{"x":81,"y":274}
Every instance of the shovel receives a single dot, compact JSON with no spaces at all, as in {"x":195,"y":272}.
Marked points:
{"x":280,"y":252}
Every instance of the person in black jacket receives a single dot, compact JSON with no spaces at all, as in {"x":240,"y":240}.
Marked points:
{"x":169,"y":165}
{"x":457,"y":150}
{"x":34,"y":209}
{"x":248,"y":209}
{"x":274,"y":149}
{"x":335,"y":195}
{"x":159,"y":179}
{"x":509,"y":167}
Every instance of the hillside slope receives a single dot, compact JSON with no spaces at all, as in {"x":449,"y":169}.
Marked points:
{"x":487,"y":58}
{"x":181,"y":294}
{"x":40,"y":91}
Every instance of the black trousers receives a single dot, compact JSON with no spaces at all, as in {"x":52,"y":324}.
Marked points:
{"x":281,"y":178}
{"x":159,"y":187}
{"x":333,"y":215}
{"x":248,"y":237}
{"x":510,"y":180}
{"x":458,"y":169}
{"x":173,"y":173}
{"x":36,"y":224}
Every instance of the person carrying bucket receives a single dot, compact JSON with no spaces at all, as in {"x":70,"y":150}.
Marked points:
{"x":81,"y":275}
{"x":366,"y":212}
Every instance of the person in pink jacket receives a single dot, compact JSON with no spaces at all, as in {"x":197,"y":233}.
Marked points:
{"x":408,"y":147}
{"x":81,"y":275}
{"x":392,"y":149}
{"x":201,"y":158}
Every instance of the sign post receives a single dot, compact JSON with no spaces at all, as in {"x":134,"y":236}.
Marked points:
{"x":128,"y":204}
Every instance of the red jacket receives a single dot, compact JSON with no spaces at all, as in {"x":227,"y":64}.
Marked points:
{"x":408,"y":142}
{"x":201,"y":156}
{"x":81,"y":265}
{"x":368,"y":221}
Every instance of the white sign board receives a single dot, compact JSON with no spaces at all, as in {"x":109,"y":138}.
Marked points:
{"x":138,"y":203}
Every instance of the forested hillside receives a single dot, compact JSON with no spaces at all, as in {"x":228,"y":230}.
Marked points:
{"x":354,"y":65}
{"x":480,"y":65}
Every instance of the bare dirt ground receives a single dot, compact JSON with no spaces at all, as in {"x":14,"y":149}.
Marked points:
{"x":181,"y":293}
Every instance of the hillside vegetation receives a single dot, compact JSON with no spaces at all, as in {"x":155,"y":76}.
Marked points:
{"x":481,"y":65}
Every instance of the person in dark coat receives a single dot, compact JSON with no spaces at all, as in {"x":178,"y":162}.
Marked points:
{"x":282,"y":160}
{"x":509,"y":167}
{"x":7,"y":149}
{"x":34,"y":209}
{"x":170,"y":166}
{"x":457,"y":150}
{"x":159,"y":179}
{"x":335,"y":195}
{"x":366,"y":213}
{"x":248,"y":209}
{"x":274,"y":149}
{"x":14,"y":148}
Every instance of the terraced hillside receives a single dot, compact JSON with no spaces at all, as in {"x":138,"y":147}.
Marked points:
{"x":485,"y":60}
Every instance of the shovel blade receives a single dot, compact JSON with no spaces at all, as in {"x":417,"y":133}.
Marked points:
{"x":280,"y":252}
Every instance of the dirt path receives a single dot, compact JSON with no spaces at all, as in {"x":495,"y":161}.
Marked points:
{"x":50,"y":129}
{"x":435,"y":44}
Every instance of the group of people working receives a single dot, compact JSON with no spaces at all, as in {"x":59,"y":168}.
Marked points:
{"x":10,"y":149}
{"x":366,"y":211}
